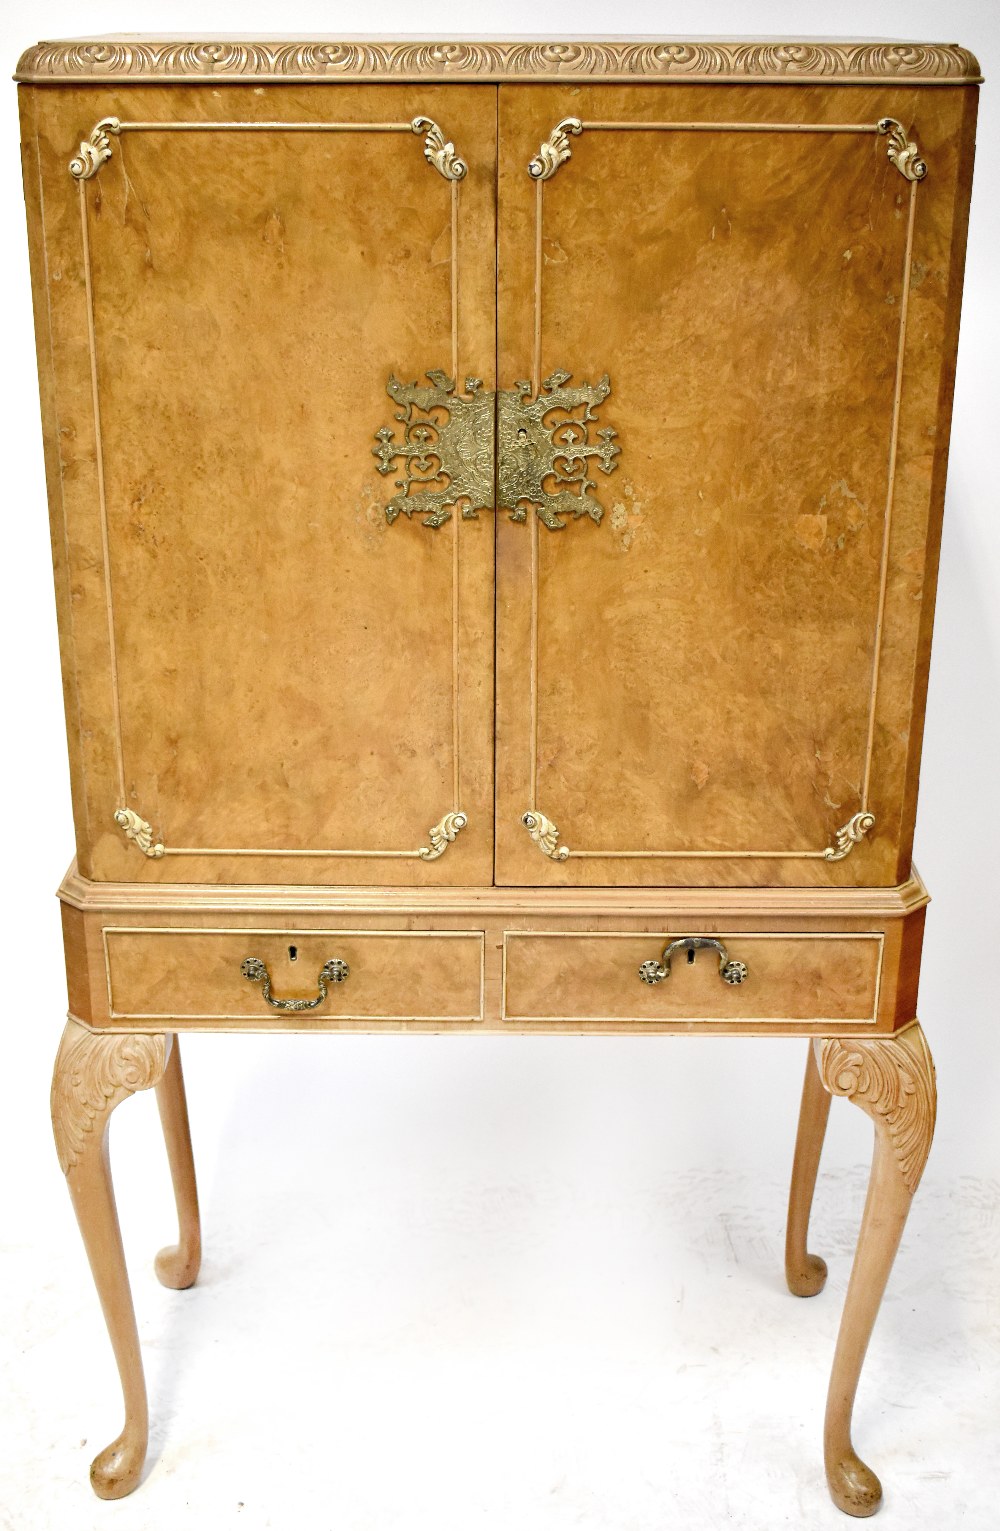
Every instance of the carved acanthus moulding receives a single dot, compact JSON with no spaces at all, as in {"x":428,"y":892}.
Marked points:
{"x":137,"y":829}
{"x":438,"y":152}
{"x":545,"y":835}
{"x":136,"y":59}
{"x":94,"y":1074}
{"x":849,"y":835}
{"x":893,"y":1082}
{"x":95,"y":150}
{"x":902,"y":152}
{"x":556,"y":150}
{"x":442,"y":835}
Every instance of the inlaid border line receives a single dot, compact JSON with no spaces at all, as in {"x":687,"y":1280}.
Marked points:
{"x":455,"y":540}
{"x":730,"y":127}
{"x":861,"y":129}
{"x":264,"y":127}
{"x":536,"y":387}
{"x":83,"y":170}
{"x":101,"y":494}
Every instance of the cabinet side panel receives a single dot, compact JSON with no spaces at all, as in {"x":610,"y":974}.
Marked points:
{"x":953,"y":235}
{"x":42,"y":278}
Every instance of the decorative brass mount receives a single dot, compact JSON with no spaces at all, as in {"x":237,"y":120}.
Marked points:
{"x":447,"y":449}
{"x":731,"y":970}
{"x":547,"y":438}
{"x":334,"y":971}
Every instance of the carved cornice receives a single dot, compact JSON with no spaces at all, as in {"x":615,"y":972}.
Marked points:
{"x":110,"y":58}
{"x":93,"y":1075}
{"x":893,"y":1082}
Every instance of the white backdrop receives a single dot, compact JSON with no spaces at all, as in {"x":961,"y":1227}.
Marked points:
{"x":504,"y":1123}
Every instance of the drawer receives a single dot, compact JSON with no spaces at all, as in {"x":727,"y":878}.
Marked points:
{"x":187,"y":974}
{"x":789,"y":977}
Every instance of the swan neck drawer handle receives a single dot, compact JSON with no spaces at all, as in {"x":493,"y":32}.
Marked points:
{"x":730,"y":970}
{"x":255,"y":971}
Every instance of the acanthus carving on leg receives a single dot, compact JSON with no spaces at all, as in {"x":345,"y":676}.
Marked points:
{"x":93,"y":1074}
{"x":892,"y":1080}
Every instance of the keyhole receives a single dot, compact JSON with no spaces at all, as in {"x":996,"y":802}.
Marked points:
{"x":690,"y":954}
{"x":293,"y":953}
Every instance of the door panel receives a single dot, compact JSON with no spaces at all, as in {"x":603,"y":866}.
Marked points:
{"x":276,"y":680}
{"x":709,"y":680}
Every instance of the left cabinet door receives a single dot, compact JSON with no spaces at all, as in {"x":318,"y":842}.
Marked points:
{"x":275,"y":579}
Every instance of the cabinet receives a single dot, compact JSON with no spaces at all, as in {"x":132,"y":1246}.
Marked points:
{"x":495,"y":494}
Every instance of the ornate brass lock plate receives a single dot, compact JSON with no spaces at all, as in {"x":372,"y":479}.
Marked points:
{"x":548,"y":441}
{"x":445,"y":455}
{"x":543,"y":448}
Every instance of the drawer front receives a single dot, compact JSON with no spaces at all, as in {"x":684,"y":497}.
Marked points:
{"x":197,"y":975}
{"x":595,"y":977}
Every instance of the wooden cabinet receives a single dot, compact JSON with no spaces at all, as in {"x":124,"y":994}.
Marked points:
{"x":734,"y":315}
{"x":495,"y":495}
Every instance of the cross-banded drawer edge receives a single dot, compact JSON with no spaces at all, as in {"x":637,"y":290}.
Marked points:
{"x":252,"y":935}
{"x":716,"y":1012}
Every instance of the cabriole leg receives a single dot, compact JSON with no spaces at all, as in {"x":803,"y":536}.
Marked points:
{"x":177,"y":1265}
{"x":806,"y":1273}
{"x":93,"y":1074}
{"x":892,"y":1079}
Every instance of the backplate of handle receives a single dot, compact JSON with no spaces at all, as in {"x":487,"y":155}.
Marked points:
{"x":730,"y":970}
{"x":334,"y":971}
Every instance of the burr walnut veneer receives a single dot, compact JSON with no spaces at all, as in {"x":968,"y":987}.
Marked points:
{"x":495,"y":496}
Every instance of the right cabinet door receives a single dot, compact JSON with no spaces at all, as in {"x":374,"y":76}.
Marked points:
{"x":727,"y":325}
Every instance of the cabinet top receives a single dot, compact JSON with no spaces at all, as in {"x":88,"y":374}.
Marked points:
{"x":136,"y":59}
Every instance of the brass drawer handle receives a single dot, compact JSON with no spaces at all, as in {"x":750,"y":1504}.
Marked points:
{"x":729,"y":971}
{"x":334,"y":971}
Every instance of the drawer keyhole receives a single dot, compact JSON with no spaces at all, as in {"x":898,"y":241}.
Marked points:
{"x":293,"y":953}
{"x":690,"y":956}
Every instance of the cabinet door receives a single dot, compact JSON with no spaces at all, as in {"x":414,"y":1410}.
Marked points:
{"x":730,"y":314}
{"x":276,"y":671}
